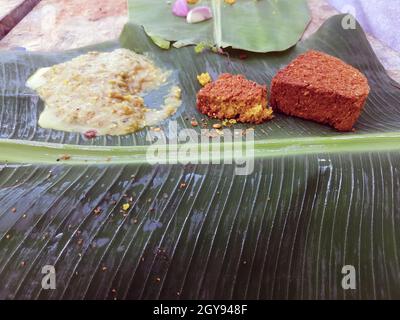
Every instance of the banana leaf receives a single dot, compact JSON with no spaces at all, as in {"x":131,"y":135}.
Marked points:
{"x":241,"y":26}
{"x":316,"y":201}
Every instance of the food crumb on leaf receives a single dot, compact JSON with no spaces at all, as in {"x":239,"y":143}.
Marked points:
{"x":204,"y":78}
{"x":64,"y":157}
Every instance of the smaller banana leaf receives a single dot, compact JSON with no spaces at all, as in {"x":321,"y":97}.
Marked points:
{"x":258,"y":26}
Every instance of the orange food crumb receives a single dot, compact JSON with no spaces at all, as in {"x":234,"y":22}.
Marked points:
{"x":64,"y":157}
{"x":204,"y":78}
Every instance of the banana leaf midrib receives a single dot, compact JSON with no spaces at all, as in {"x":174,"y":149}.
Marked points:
{"x":19,"y":151}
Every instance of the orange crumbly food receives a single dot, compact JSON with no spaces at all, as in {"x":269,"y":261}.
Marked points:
{"x":319,"y":87}
{"x":234,"y":97}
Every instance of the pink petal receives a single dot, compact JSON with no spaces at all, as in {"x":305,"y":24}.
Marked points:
{"x":180,"y":8}
{"x":199,"y":14}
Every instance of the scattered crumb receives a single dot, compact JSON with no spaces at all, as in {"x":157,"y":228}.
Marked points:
{"x":204,"y":78}
{"x":229,"y":122}
{"x":90,"y":134}
{"x":64,"y":157}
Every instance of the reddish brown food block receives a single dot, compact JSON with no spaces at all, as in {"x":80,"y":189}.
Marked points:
{"x":234,"y":97}
{"x":316,"y":86}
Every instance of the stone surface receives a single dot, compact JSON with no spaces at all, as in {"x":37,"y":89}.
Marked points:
{"x":6,"y":6}
{"x":12,"y":12}
{"x":66,"y":24}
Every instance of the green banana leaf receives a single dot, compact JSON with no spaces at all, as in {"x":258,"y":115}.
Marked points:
{"x":316,"y":201}
{"x":241,"y":26}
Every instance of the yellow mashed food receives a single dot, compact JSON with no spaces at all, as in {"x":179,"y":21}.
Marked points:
{"x":102,"y":92}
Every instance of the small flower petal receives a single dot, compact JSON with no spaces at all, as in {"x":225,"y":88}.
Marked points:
{"x":199,"y":14}
{"x":180,"y":8}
